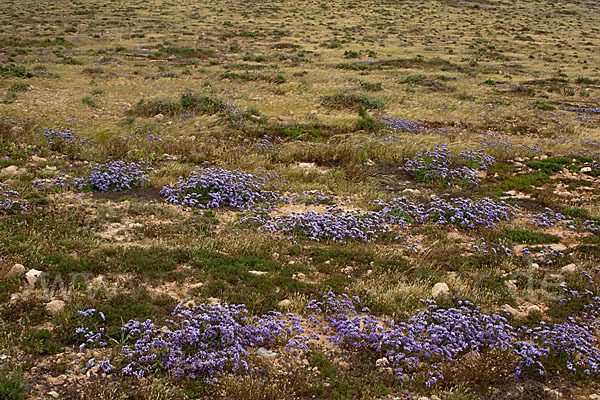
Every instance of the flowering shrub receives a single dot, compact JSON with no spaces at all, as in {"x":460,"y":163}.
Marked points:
{"x":115,"y":176}
{"x":216,"y":187}
{"x":338,"y":225}
{"x":62,"y":139}
{"x":465,"y":213}
{"x":547,"y":255}
{"x":269,"y":145}
{"x":200,"y":342}
{"x":546,"y":219}
{"x":440,"y":164}
{"x":411,"y":126}
{"x":55,"y":184}
{"x":481,"y":246}
{"x":335,"y":225}
{"x":595,"y":110}
{"x":206,"y":340}
{"x":8,"y":199}
{"x":139,"y":135}
{"x":591,"y":225}
{"x":433,"y":336}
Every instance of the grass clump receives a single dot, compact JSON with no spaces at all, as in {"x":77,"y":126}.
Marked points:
{"x":12,"y":385}
{"x":350,"y":100}
{"x":189,"y":102}
{"x":524,"y":236}
{"x":40,"y":342}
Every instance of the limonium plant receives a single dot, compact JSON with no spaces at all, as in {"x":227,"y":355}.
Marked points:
{"x":439,"y":164}
{"x":115,"y":176}
{"x":206,"y":341}
{"x":217,"y":187}
{"x":9,"y":199}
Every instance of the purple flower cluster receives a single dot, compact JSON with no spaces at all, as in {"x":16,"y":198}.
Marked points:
{"x":495,"y":141}
{"x":463,"y":212}
{"x":547,"y":255}
{"x":591,"y":225}
{"x":200,"y":342}
{"x":115,"y":176}
{"x":335,"y":225}
{"x":139,"y":135}
{"x":411,"y":126}
{"x":339,"y":225}
{"x":573,"y":341}
{"x":440,"y":164}
{"x":481,"y":246}
{"x":433,"y":336}
{"x":8,"y":199}
{"x":269,"y":144}
{"x":64,"y":137}
{"x":206,"y":340}
{"x":546,"y":219}
{"x":595,"y":110}
{"x":216,"y":187}
{"x":55,"y":184}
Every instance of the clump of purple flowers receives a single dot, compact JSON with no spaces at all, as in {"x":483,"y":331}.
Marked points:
{"x":433,"y":336}
{"x":61,"y":138}
{"x":55,"y":184}
{"x":217,"y":187}
{"x":206,"y":340}
{"x":481,"y":246}
{"x":591,"y":225}
{"x":9,"y":199}
{"x":588,"y":110}
{"x":139,"y":135}
{"x":463,"y":212}
{"x":546,"y":219}
{"x":439,"y":164}
{"x":411,"y":126}
{"x":115,"y":176}
{"x":269,"y":145}
{"x":336,"y":225}
{"x":201,"y":342}
{"x":547,"y":255}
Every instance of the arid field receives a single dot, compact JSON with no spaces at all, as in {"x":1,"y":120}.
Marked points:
{"x":338,"y":199}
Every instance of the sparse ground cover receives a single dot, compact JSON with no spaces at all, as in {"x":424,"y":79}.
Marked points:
{"x":268,"y":200}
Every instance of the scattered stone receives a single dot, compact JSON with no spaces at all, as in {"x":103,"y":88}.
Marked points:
{"x":159,"y":117}
{"x":440,"y":291}
{"x":261,"y":351}
{"x":16,"y":270}
{"x":284,"y":303}
{"x":258,"y":272}
{"x":53,"y":394}
{"x":515,"y":313}
{"x":16,"y":130}
{"x":411,"y":191}
{"x":535,"y":266}
{"x":55,"y":306}
{"x":382,"y":362}
{"x":533,"y":309}
{"x":594,"y":396}
{"x":10,"y":170}
{"x":569,"y":269}
{"x":586,"y":169}
{"x":38,"y":159}
{"x":519,"y":159}
{"x":32,"y":276}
